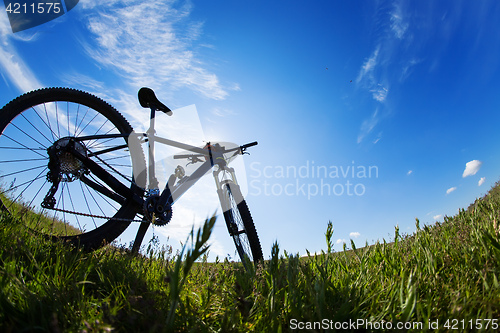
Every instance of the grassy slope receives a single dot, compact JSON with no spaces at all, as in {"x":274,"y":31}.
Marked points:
{"x":447,"y":271}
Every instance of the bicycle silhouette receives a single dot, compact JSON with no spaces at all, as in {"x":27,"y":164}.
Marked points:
{"x":76,"y":160}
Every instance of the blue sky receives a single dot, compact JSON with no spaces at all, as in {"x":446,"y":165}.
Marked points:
{"x":408,"y":90}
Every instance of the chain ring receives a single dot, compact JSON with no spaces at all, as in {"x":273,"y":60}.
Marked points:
{"x":157,"y":215}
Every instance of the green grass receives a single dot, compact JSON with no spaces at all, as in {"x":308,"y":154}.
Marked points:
{"x":443,"y":276}
{"x":42,"y":223}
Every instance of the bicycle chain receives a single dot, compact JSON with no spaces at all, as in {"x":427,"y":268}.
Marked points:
{"x":93,"y":215}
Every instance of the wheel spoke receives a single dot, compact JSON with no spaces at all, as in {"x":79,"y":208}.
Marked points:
{"x":24,"y":160}
{"x":13,"y":188}
{"x":83,"y":118}
{"x":48,"y":122}
{"x":26,"y":147}
{"x":90,"y":144}
{"x":87,"y":191}
{"x":22,"y":171}
{"x":87,"y":204}
{"x":57,"y":122}
{"x":83,"y":129}
{"x":72,"y":204}
{"x":36,"y":128}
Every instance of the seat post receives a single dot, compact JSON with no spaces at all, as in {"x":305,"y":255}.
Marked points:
{"x":153,"y":182}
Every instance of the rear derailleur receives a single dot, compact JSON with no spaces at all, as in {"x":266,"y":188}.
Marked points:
{"x":63,"y":166}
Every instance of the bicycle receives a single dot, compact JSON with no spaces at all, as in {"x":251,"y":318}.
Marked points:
{"x":84,"y":169}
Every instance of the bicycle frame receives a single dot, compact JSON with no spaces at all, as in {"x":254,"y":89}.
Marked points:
{"x":95,"y":168}
{"x":210,"y":155}
{"x":189,"y":181}
{"x":170,"y":193}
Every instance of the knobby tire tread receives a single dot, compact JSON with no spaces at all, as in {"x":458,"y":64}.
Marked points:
{"x":247,"y":220}
{"x":111,"y":229}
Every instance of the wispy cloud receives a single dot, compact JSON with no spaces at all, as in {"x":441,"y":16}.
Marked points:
{"x":408,"y":68}
{"x":375,"y":73}
{"x":79,"y":79}
{"x":14,"y":67}
{"x":150,"y":43}
{"x":481,"y":181}
{"x":368,"y":125}
{"x":451,"y":189}
{"x":471,"y":168}
{"x":437,"y":217}
{"x":409,"y":172}
{"x":369,"y":65}
{"x":398,"y":24}
{"x":222,"y":112}
{"x":156,"y":44}
{"x":354,"y":234}
{"x":378,"y":138}
{"x":379,"y":93}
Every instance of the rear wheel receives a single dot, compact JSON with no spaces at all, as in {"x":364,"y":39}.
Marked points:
{"x":36,"y":130}
{"x":240,"y":223}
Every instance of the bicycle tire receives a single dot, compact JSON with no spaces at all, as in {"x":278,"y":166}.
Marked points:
{"x":239,"y":223}
{"x":42,"y":118}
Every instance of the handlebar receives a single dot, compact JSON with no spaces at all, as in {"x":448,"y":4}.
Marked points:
{"x":176,"y":157}
{"x":251,"y":144}
{"x":196,"y":157}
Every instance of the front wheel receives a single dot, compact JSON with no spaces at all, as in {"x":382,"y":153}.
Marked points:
{"x":239,"y":223}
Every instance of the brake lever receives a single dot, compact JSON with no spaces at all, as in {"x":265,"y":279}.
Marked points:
{"x":194,"y":159}
{"x":244,"y":150}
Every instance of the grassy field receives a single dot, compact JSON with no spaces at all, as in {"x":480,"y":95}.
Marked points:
{"x":444,"y":277}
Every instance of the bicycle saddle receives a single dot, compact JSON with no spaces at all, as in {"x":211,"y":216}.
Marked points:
{"x":148,"y":99}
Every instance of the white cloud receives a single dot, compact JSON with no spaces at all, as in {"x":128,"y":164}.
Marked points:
{"x":340,"y":241}
{"x":481,"y":181}
{"x":222,"y":112}
{"x":154,"y":44}
{"x":369,"y":65}
{"x":471,"y":168}
{"x":79,"y":79}
{"x":11,"y":62}
{"x":437,"y":217}
{"x":143,"y":43}
{"x":451,"y":189}
{"x":409,"y":172}
{"x":17,"y":71}
{"x":379,"y":93}
{"x":150,"y":43}
{"x":398,"y":24}
{"x":408,"y":68}
{"x":368,"y":125}
{"x":354,"y":234}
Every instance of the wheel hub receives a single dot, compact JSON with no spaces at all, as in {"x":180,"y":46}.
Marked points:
{"x":70,"y":168}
